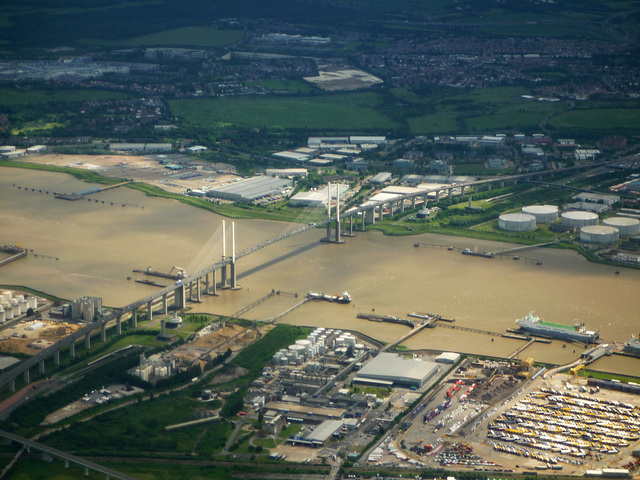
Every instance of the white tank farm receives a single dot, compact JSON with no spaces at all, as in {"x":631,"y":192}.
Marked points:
{"x":626,"y":226}
{"x":517,"y":222}
{"x":579,"y":219}
{"x":599,"y":234}
{"x":304,"y":343}
{"x":543,"y":213}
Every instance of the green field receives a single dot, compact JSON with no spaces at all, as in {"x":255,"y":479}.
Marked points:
{"x":342,"y":112}
{"x":602,"y":118}
{"x":12,"y":97}
{"x":179,"y":37}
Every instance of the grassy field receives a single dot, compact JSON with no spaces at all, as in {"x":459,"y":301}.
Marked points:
{"x":179,"y":37}
{"x":13,"y":97}
{"x":601,"y":118}
{"x":341,"y":112}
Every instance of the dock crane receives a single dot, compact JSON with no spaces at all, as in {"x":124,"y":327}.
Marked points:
{"x":574,"y":371}
{"x":181,"y":271}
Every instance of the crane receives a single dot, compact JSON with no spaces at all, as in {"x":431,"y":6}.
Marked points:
{"x":574,"y":371}
{"x":181,"y":271}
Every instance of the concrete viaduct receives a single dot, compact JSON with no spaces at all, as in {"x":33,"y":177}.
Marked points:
{"x":68,"y":458}
{"x":191,"y":288}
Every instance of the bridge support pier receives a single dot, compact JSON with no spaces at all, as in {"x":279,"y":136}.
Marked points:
{"x":338,"y":231}
{"x":450,"y":193}
{"x":134,"y":317}
{"x":233,"y":283}
{"x":413,"y":202}
{"x":179,"y":297}
{"x":370,"y":215}
{"x":12,"y":385}
{"x":402,"y":206}
{"x":86,"y":471}
{"x":41,"y":367}
{"x":72,"y":350}
{"x":119,"y":325}
{"x":26,"y":376}
{"x":103,"y":333}
{"x":206,"y":284}
{"x":150,"y":311}
{"x":56,"y":358}
{"x":214,"y":287}
{"x":198,"y":291}
{"x":164,"y":304}
{"x":66,"y":463}
{"x":328,"y":239}
{"x":488,"y":187}
{"x":87,"y":341}
{"x":223,"y":276}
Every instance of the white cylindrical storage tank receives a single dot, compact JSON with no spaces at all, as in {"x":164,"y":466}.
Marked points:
{"x":350,"y":340}
{"x":19,"y":297}
{"x":339,"y":342}
{"x":76,"y":310}
{"x":626,"y":226}
{"x":579,"y":219}
{"x":309,"y":352}
{"x":303,"y":342}
{"x":16,"y":307}
{"x":24,"y":306}
{"x":2,"y":300}
{"x":599,"y":234}
{"x":322,"y":350}
{"x":3,"y":316}
{"x":311,"y":338}
{"x":542,"y":213}
{"x":284,"y":361}
{"x":32,"y":301}
{"x":359,"y":346}
{"x":8,"y":310}
{"x":320,"y":329}
{"x":517,"y":222}
{"x":7,"y":295}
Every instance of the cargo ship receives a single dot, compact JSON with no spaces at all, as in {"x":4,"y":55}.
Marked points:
{"x":344,"y":298}
{"x":537,"y":326}
{"x":632,"y":346}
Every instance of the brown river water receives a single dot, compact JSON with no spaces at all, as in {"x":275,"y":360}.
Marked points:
{"x":98,"y":245}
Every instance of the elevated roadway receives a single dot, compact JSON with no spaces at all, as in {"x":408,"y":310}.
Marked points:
{"x":177,"y":291}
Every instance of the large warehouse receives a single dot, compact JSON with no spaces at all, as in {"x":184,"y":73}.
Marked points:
{"x":390,"y":369}
{"x":251,"y":189}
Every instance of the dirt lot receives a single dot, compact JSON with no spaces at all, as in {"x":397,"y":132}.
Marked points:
{"x":215,"y":343}
{"x":18,"y":339}
{"x":195,"y":173}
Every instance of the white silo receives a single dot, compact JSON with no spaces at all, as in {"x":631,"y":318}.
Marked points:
{"x":76,"y":310}
{"x":579,"y":219}
{"x":19,"y":297}
{"x":3,"y":316}
{"x":350,"y":341}
{"x":88,"y":311}
{"x":2,"y":300}
{"x":32,"y":301}
{"x":16,"y":307}
{"x":517,"y":222}
{"x":24,"y":306}
{"x":625,"y":225}
{"x":8,"y":310}
{"x":8,"y":295}
{"x":599,"y":234}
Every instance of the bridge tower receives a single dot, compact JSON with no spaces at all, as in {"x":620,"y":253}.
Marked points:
{"x":223,"y":271}
{"x":331,"y":238}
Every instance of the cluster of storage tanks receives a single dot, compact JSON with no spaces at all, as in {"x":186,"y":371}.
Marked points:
{"x":13,"y":306}
{"x":528,"y":219}
{"x":319,"y":342}
{"x":587,"y":222}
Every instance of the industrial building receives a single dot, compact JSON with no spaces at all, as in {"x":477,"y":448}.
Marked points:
{"x":599,"y":234}
{"x":542,"y":213}
{"x":517,"y":222}
{"x":286,"y":172}
{"x":448,"y":357}
{"x":319,"y":435}
{"x":250,"y":189}
{"x":579,"y":219}
{"x":86,"y":308}
{"x":318,"y":198}
{"x":625,"y":225}
{"x":293,"y":156}
{"x":389,"y":369}
{"x":382,"y":177}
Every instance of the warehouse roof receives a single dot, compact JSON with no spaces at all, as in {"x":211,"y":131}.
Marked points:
{"x":391,"y":367}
